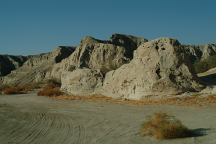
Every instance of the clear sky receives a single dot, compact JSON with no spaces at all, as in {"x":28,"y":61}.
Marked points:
{"x":34,"y":26}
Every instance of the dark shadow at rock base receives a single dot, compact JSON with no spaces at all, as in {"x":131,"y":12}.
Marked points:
{"x":209,"y":80}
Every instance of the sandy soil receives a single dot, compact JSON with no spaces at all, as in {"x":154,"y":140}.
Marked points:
{"x":29,"y":119}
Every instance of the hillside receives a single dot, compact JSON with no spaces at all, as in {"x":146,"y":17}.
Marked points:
{"x":124,"y":66}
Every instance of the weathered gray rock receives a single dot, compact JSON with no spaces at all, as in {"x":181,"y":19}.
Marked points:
{"x":94,"y":54}
{"x":37,"y":68}
{"x":83,"y":82}
{"x":159,"y":67}
{"x":9,"y":63}
{"x":97,"y":54}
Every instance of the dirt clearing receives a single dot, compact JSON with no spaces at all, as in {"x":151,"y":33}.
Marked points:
{"x":30,"y":119}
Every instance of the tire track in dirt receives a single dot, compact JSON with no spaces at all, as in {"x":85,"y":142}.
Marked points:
{"x":37,"y":128}
{"x":37,"y":120}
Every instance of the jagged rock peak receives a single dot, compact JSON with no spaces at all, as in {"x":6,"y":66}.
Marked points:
{"x":167,"y":40}
{"x":116,"y":39}
{"x":121,"y":39}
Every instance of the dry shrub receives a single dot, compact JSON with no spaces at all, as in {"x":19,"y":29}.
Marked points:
{"x":2,"y":87}
{"x":19,"y":89}
{"x":51,"y":92}
{"x":181,"y":101}
{"x":14,"y":90}
{"x":163,"y":126}
{"x":86,"y":98}
{"x":52,"y":89}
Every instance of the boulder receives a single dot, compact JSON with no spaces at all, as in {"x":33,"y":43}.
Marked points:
{"x":83,"y":82}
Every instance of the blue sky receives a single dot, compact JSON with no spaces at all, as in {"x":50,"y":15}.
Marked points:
{"x":35,"y":26}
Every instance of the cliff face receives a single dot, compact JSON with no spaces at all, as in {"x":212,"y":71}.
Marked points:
{"x":123,"y":67}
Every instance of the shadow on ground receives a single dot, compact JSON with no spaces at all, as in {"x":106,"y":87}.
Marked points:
{"x":199,"y":132}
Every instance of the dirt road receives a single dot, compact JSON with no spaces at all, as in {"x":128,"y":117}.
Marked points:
{"x":29,"y":119}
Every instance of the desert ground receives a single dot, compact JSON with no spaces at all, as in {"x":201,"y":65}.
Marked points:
{"x":31,"y":119}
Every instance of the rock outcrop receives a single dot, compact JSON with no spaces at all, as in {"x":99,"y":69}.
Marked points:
{"x":123,"y":67}
{"x":37,"y":67}
{"x":9,"y":63}
{"x":100,"y":55}
{"x":159,"y":67}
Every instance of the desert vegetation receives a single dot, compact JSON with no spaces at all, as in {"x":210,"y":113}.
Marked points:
{"x":14,"y":90}
{"x":17,"y":89}
{"x":94,"y":98}
{"x":51,"y":89}
{"x":181,"y":101}
{"x":164,"y":126}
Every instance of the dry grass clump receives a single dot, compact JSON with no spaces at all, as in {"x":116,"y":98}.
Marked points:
{"x":18,"y":89}
{"x":52,"y":89}
{"x":14,"y":90}
{"x":163,"y":126}
{"x":2,"y":87}
{"x":181,"y":101}
{"x":87,"y":98}
{"x":50,"y":92}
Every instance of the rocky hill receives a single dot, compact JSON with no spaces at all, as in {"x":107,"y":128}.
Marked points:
{"x":123,"y":67}
{"x":37,"y":67}
{"x":9,"y":63}
{"x":200,"y":52}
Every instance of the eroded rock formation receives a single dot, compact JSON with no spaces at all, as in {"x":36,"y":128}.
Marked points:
{"x":123,"y":67}
{"x":159,"y":67}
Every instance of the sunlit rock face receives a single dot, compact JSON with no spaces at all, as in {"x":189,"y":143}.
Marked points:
{"x":159,"y":67}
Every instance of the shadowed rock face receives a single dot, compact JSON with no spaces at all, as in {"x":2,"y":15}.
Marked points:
{"x":9,"y":63}
{"x":130,"y":43}
{"x":200,"y":52}
{"x":159,"y":67}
